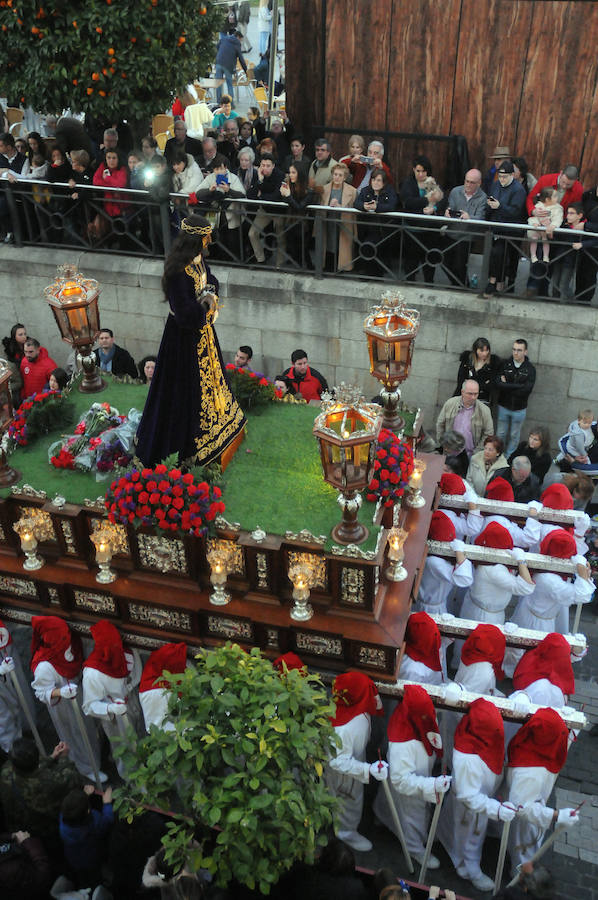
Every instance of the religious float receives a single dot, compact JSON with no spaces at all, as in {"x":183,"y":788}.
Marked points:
{"x":276,"y":570}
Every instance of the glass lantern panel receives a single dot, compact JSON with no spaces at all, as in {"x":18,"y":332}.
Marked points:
{"x":77,"y":316}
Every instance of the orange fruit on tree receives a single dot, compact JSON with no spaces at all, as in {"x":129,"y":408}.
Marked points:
{"x":75,"y":82}
{"x":102,"y":93}
{"x":95,"y":76}
{"x":110,"y":51}
{"x":89,"y":91}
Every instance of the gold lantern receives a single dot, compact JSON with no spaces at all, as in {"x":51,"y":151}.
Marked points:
{"x":390,"y":329}
{"x":347,"y":430}
{"x":8,"y":475}
{"x":74,"y":301}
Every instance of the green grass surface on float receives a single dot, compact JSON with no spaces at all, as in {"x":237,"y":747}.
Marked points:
{"x":275,"y":479}
{"x":32,"y":461}
{"x":277,"y":485}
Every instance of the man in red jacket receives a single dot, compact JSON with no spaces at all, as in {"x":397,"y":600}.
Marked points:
{"x":306,"y":381}
{"x":36,"y":367}
{"x":564,"y":182}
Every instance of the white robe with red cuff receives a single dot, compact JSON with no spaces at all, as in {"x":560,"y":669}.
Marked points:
{"x":464,"y":818}
{"x":347,"y":772}
{"x":412,"y":788}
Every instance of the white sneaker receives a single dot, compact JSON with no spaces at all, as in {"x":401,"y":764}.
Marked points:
{"x":355,"y":840}
{"x":482,"y":882}
{"x":433,"y":862}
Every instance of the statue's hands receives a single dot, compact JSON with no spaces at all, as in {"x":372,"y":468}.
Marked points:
{"x":209,"y":301}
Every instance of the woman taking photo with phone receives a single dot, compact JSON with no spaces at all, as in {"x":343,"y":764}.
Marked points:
{"x":215,"y":195}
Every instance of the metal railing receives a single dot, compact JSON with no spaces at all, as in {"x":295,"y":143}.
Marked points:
{"x":388,"y":247}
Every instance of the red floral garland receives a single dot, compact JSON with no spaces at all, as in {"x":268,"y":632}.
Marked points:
{"x":393,"y":468}
{"x":17,"y":430}
{"x":163,"y":499}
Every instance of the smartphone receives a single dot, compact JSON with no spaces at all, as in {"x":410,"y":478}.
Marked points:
{"x":455,"y":213}
{"x":221,"y":179}
{"x":368,"y":160}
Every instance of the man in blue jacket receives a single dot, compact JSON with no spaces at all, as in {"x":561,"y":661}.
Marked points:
{"x":506,"y":203}
{"x":227,"y":54}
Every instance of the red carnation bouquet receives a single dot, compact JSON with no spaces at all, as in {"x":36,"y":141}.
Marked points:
{"x":38,"y":414}
{"x":251,"y":389}
{"x":393,"y":468}
{"x":165,"y":499}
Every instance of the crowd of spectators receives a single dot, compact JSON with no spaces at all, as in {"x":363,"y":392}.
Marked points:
{"x":238,"y":159}
{"x":479,"y":430}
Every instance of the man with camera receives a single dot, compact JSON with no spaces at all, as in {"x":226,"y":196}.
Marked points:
{"x":466,"y":201}
{"x":363,"y":168}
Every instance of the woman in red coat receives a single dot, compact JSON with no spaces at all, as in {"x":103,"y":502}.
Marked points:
{"x":113,"y":172}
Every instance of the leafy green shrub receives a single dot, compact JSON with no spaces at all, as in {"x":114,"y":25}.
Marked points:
{"x":241,"y":771}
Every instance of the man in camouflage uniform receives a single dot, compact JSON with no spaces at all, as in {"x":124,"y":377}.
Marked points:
{"x":32,"y":789}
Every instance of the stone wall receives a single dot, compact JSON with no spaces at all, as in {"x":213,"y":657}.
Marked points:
{"x":276,"y":312}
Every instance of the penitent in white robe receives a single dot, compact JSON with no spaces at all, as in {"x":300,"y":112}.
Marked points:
{"x":439,"y":580}
{"x":464,"y":817}
{"x":98,"y":691}
{"x":412,"y":788}
{"x":529,"y":787}
{"x":46,"y":678}
{"x":12,"y":718}
{"x":347,"y":772}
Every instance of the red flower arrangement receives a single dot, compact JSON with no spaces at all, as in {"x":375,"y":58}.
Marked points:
{"x":393,"y":468}
{"x":251,"y":389}
{"x":164,"y":499}
{"x":17,"y":430}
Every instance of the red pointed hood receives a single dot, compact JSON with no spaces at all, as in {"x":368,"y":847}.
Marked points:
{"x":481,"y":731}
{"x":414,"y":718}
{"x":559,"y":543}
{"x":107,"y":655}
{"x":550,"y":659}
{"x":291,"y":661}
{"x":441,"y":527}
{"x":557,"y":496}
{"x":168,"y":658}
{"x":486,"y":643}
{"x":452,"y":484}
{"x":496,"y":536}
{"x":354,"y":693}
{"x":500,"y":489}
{"x":422,"y":640}
{"x":50,"y":640}
{"x":542,"y":741}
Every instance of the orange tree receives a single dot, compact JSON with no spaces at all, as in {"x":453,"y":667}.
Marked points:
{"x":106,"y":57}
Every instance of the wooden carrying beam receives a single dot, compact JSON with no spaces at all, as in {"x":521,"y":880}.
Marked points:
{"x":573,"y":718}
{"x":523,"y":638}
{"x":511,"y":510}
{"x":536,"y":561}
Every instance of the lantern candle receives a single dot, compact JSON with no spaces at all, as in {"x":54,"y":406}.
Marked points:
{"x":416,"y":499}
{"x":103,"y":554}
{"x":396,"y":541}
{"x":218,"y":561}
{"x":28,"y":541}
